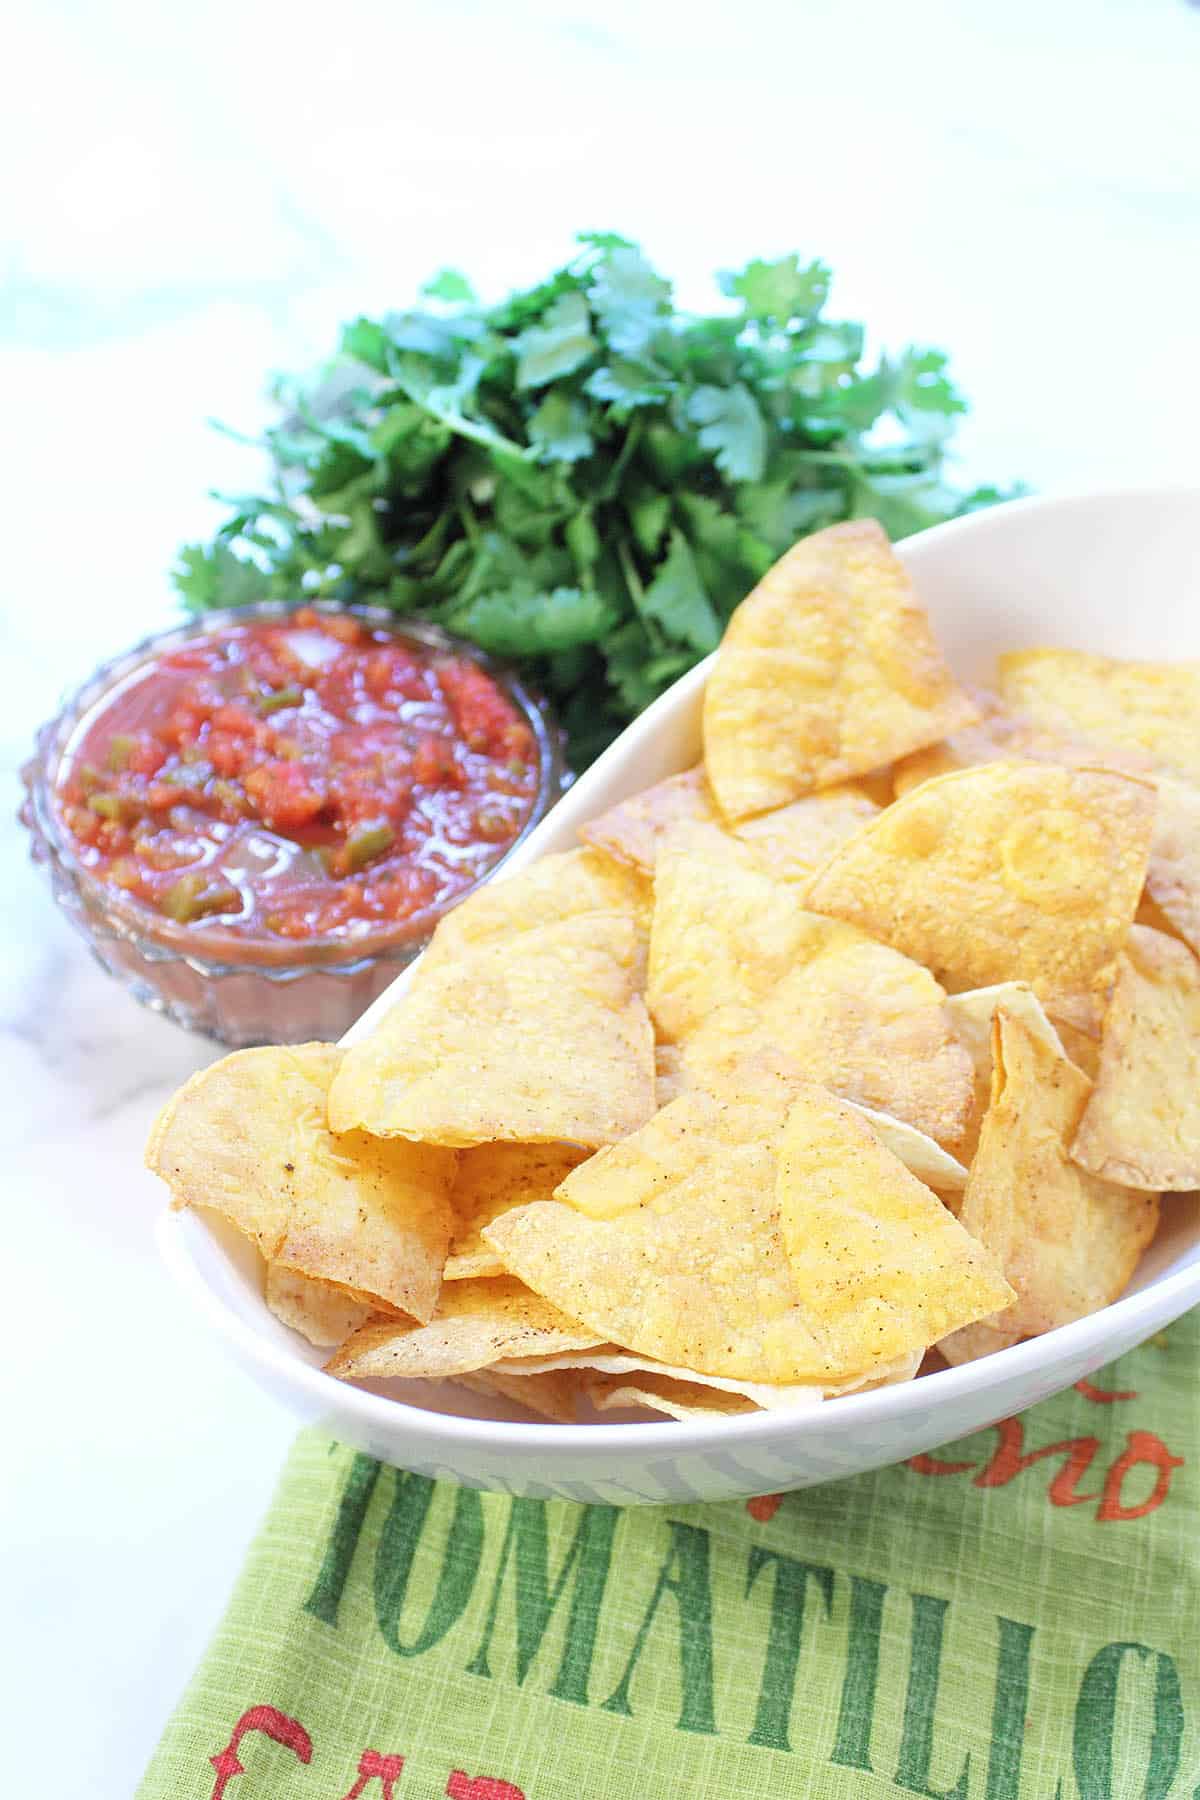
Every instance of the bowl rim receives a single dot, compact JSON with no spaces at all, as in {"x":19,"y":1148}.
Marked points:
{"x":1082,"y":1341}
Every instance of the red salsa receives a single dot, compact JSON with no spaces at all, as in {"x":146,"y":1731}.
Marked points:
{"x":299,"y":777}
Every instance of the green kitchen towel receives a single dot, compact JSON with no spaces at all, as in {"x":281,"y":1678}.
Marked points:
{"x":1016,"y":1616}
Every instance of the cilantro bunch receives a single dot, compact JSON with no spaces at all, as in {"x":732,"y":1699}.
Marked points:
{"x":584,"y":479}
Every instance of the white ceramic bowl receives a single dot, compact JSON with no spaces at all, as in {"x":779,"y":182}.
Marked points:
{"x":1110,"y":572}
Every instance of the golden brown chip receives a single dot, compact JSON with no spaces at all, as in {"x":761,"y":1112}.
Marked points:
{"x":665,"y":1394}
{"x":319,"y":1311}
{"x":876,"y":1257}
{"x":877,"y":784}
{"x":477,"y":1323}
{"x":716,"y":1242}
{"x":248,"y":1138}
{"x":793,"y":841}
{"x":788,"y":843}
{"x":552,"y":1396}
{"x":1007,"y":872}
{"x":1141,"y":1126}
{"x":919,"y":1153}
{"x":1083,"y":1009}
{"x":670,"y":1078}
{"x":971,"y":1016}
{"x":549,"y":891}
{"x":633,"y":829}
{"x":490,"y":1179}
{"x":1000,"y":735}
{"x":741,"y":972}
{"x":887,"y":1374}
{"x":1082,"y":1048}
{"x":1173,"y":872}
{"x":539,"y":1039}
{"x":1150,"y":709}
{"x":612,"y":1362}
{"x":1172,"y":900}
{"x":828,"y":669}
{"x":1067,"y":1241}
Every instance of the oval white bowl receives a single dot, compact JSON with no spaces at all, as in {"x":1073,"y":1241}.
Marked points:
{"x":1112,"y":572}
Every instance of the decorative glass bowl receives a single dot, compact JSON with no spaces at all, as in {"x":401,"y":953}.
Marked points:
{"x":248,"y":991}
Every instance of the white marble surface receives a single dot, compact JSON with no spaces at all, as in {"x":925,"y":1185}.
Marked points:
{"x":196,"y":198}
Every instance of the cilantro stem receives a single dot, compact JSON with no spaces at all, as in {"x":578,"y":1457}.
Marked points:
{"x":633,"y":580}
{"x":633,"y":438}
{"x":466,"y":513}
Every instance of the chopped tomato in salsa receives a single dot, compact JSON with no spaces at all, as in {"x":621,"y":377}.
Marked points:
{"x":300,"y":777}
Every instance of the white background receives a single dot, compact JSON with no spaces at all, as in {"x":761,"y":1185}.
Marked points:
{"x":194,"y":196}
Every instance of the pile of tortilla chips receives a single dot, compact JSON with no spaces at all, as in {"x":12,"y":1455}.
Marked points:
{"x":877,"y":1032}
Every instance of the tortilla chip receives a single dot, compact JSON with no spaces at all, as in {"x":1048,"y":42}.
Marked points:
{"x":919,"y":1153}
{"x":876,"y":1256}
{"x":1172,"y":899}
{"x":1150,"y":709}
{"x":1066,"y":1240}
{"x":665,"y":1394}
{"x":793,"y":841}
{"x":551,"y":1396}
{"x":741,"y":972}
{"x":539,"y":1039}
{"x":477,"y":1323}
{"x":549,"y":891}
{"x":1083,"y":1009}
{"x":675,"y":1243}
{"x":490,"y":1179}
{"x":1173,"y":868}
{"x":610,"y":1361}
{"x":1141,"y":1126}
{"x":616,"y":1364}
{"x":877,"y":785}
{"x":788,"y":843}
{"x":633,"y":829}
{"x":1082,"y":1048}
{"x":670,"y":1078}
{"x":1173,"y":872}
{"x":1007,"y":872}
{"x":971,"y":1016}
{"x":999,"y":735}
{"x":319,"y":1311}
{"x":828,"y":669}
{"x":248,"y":1138}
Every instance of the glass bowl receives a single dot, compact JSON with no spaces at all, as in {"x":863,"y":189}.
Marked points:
{"x":244,"y":991}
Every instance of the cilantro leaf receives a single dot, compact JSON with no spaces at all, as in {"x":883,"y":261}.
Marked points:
{"x":449,"y":285}
{"x":520,"y":621}
{"x":626,"y":384}
{"x":778,"y":512}
{"x":583,"y":477}
{"x":677,"y":599}
{"x":559,"y":428}
{"x":781,"y":291}
{"x":215,"y":577}
{"x":649,"y":513}
{"x":558,"y":346}
{"x":629,"y":299}
{"x":604,"y":240}
{"x":923,"y":397}
{"x":732,"y":427}
{"x":583,"y":540}
{"x":367,"y":342}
